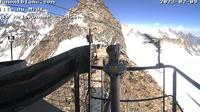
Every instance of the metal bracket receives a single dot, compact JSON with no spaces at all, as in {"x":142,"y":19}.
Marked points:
{"x":114,"y":66}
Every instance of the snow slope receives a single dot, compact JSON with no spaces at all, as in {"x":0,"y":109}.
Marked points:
{"x":70,"y":44}
{"x":172,"y":54}
{"x":7,"y":57}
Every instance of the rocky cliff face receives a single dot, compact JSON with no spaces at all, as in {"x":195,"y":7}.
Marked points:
{"x":84,"y":16}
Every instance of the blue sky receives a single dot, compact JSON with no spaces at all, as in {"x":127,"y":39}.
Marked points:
{"x":146,"y":12}
{"x":151,"y":11}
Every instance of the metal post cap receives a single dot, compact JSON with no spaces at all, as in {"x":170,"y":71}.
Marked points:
{"x":114,"y":66}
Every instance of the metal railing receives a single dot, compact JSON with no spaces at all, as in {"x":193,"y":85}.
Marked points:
{"x":174,"y":95}
{"x":115,"y":69}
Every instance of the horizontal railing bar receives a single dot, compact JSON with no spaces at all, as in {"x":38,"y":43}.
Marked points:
{"x":131,"y":68}
{"x":138,"y":100}
{"x":92,"y":80}
{"x":194,"y":83}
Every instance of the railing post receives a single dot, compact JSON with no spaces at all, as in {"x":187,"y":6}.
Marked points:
{"x":90,"y":41}
{"x":114,"y":68}
{"x":174,"y":91}
{"x":77,"y":92}
{"x":163,"y":89}
{"x":102,"y":91}
{"x":77,"y":89}
{"x":11,"y":40}
{"x":115,"y":93}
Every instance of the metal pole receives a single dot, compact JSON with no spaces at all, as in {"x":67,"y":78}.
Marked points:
{"x":89,"y":84}
{"x":163,"y":89}
{"x":11,"y":50}
{"x":102,"y":91}
{"x":158,"y":46}
{"x":77,"y":92}
{"x":114,"y":68}
{"x":90,"y":40}
{"x":115,"y":93}
{"x":174,"y":91}
{"x":11,"y":39}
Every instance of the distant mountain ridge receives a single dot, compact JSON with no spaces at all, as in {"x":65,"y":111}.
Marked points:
{"x":178,"y":49}
{"x":28,"y":32}
{"x":188,"y":41}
